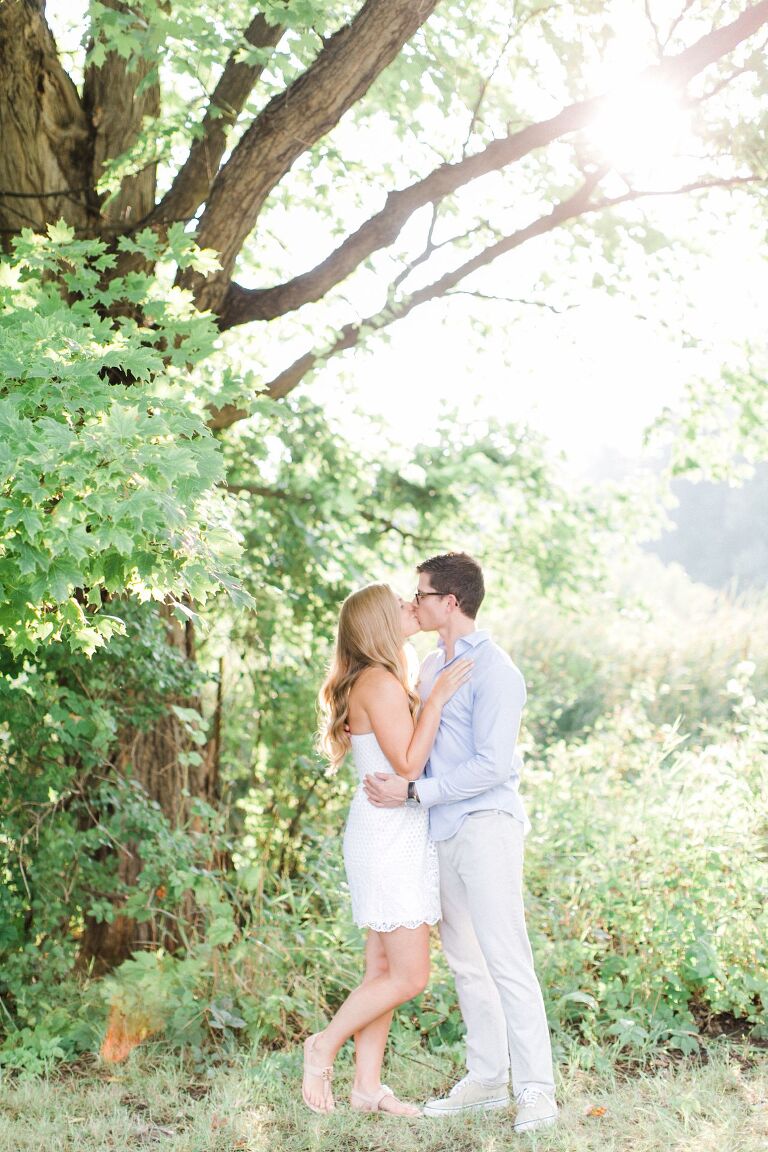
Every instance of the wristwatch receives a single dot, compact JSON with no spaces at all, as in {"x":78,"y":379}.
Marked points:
{"x":412,"y":796}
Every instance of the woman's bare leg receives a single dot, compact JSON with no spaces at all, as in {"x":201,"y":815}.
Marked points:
{"x":407,"y":955}
{"x":371,"y":1041}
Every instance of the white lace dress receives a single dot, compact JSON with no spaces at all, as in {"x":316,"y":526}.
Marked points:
{"x":391,"y":862}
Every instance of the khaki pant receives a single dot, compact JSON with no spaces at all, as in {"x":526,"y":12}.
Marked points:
{"x":486,"y":943}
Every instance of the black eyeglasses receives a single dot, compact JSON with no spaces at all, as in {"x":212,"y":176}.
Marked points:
{"x":419,"y":595}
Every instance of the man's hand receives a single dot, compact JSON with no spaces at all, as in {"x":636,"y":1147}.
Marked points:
{"x":385,"y":790}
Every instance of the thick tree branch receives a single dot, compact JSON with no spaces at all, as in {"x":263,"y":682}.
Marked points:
{"x":242,"y":305}
{"x":193,"y":181}
{"x":351,"y":334}
{"x":745,"y":69}
{"x":579,"y":204}
{"x":292,"y":122}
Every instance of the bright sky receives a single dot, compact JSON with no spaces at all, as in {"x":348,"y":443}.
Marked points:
{"x":592,"y":377}
{"x":595,"y":376}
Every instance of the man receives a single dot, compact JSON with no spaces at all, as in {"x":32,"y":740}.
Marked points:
{"x":478,"y":821}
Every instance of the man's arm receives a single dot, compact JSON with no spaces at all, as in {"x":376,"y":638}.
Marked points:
{"x":496,"y":713}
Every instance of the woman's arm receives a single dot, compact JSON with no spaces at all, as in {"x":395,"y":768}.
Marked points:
{"x":499,"y":699}
{"x":383,"y":698}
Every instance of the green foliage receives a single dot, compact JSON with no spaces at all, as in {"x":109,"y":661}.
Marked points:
{"x":66,"y":817}
{"x":646,"y":878}
{"x":330,"y":519}
{"x":321,"y":519}
{"x":648,"y":870}
{"x":69,"y":877}
{"x":106,"y":468}
{"x":182,"y":48}
{"x":111,"y":499}
{"x":252,"y":970}
{"x":646,"y":865}
{"x":682,"y":653}
{"x":718,"y":432}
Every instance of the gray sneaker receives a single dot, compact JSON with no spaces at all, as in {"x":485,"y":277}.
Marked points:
{"x":535,"y":1109}
{"x":468,"y":1096}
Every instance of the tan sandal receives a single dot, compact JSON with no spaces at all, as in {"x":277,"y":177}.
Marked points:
{"x":324,"y":1074}
{"x":360,"y":1102}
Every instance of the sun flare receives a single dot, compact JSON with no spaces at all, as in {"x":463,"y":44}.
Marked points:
{"x":642,"y":130}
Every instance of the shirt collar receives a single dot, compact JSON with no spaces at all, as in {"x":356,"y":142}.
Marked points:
{"x":471,"y":640}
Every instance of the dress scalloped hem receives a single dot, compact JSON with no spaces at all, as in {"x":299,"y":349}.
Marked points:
{"x":392,"y":927}
{"x":390,"y":859}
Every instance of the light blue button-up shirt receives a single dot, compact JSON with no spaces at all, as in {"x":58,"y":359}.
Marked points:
{"x":474,"y":763}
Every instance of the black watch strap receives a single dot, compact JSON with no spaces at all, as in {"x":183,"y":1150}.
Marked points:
{"x":412,"y":793}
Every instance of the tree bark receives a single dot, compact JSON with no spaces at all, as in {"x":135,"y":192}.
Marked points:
{"x":116,"y":101}
{"x":154,"y":758}
{"x":44,"y":130}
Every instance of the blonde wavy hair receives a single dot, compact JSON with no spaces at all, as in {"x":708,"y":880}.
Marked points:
{"x":369,"y":635}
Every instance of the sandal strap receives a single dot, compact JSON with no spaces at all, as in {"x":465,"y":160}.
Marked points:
{"x":374,"y":1100}
{"x":388,"y":1093}
{"x":382,"y":1094}
{"x":323,"y":1073}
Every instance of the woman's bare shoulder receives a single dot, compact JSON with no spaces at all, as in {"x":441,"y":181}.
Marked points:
{"x":376,"y":679}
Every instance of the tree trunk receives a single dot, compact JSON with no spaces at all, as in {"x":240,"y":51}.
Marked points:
{"x":155,"y":759}
{"x":45,"y":134}
{"x":116,"y":108}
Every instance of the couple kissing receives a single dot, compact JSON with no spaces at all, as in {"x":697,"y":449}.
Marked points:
{"x":434,"y":836}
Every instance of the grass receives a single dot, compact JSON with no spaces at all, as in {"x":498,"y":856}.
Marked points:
{"x":153,"y":1102}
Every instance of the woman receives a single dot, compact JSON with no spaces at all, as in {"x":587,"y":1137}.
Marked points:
{"x":391,"y":863}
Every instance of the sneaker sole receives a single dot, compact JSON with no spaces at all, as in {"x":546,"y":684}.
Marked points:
{"x":532,"y":1125}
{"x":481,"y":1106}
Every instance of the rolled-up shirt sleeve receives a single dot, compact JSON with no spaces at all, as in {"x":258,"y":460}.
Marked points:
{"x":499,"y":699}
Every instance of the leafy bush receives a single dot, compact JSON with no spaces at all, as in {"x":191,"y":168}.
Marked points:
{"x":67,"y":817}
{"x":649,"y":876}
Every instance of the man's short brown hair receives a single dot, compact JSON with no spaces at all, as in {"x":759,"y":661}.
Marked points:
{"x":459,"y":574}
